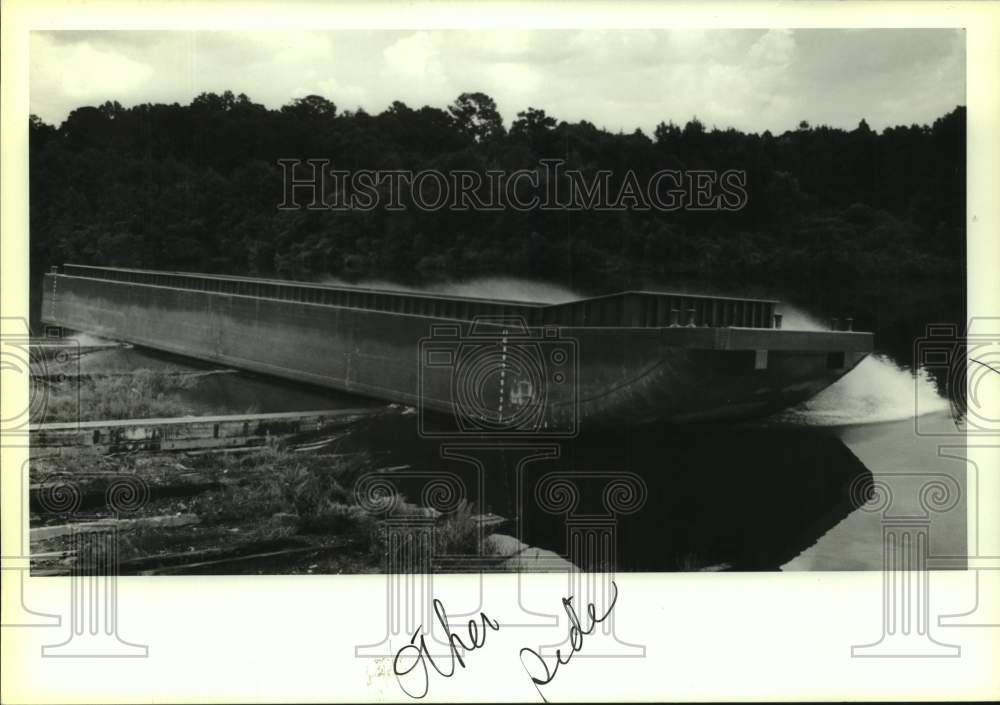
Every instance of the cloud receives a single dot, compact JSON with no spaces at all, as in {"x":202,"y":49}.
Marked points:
{"x":619,"y":79}
{"x":81,"y":72}
{"x":417,"y":60}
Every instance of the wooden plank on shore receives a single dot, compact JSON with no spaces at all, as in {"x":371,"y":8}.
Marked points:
{"x":202,"y":555}
{"x":221,"y":418}
{"x":98,"y":375}
{"x":93,"y":487}
{"x":44,"y":533}
{"x":189,"y":432}
{"x":288,"y":552}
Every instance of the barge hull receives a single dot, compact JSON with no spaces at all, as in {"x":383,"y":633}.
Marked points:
{"x":611,"y":376}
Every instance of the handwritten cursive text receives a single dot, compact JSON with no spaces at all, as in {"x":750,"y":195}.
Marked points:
{"x":576,"y":634}
{"x":421,"y":655}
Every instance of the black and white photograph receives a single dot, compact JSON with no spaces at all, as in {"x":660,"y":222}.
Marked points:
{"x":286,"y":289}
{"x":427,"y":303}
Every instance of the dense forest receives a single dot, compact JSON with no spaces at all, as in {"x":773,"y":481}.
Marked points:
{"x":840,"y":222}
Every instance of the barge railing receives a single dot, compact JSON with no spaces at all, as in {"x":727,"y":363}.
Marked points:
{"x":629,"y":309}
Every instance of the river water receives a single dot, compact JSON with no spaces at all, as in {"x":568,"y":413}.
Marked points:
{"x":784,"y":493}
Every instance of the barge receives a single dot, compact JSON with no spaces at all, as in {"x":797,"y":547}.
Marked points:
{"x":473,"y":365}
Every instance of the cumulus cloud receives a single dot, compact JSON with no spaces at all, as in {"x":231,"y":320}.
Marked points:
{"x":63,"y":73}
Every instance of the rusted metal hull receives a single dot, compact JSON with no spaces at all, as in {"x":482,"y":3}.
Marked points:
{"x":579,"y":376}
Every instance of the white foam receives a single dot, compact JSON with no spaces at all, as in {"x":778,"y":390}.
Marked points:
{"x":511,"y":289}
{"x":88,"y":339}
{"x":876,"y":391}
{"x":508,"y":288}
{"x":794,"y":318}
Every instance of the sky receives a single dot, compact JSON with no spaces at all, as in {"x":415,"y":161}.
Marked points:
{"x":752,"y":80}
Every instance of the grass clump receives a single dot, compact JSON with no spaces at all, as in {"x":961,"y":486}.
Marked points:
{"x":273,"y":480}
{"x":280,"y":492}
{"x":410,"y":546}
{"x":139,"y":394}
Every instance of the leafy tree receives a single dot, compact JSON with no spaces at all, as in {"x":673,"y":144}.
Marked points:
{"x":532,"y":122}
{"x":839,"y":221}
{"x":476,"y":115}
{"x":311,"y":107}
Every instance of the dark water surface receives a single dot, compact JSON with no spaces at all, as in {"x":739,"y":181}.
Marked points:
{"x":765,"y":497}
{"x":785,"y":493}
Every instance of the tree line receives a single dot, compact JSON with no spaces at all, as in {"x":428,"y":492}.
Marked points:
{"x":842,"y":222}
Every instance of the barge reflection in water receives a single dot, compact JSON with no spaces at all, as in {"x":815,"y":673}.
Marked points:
{"x":708,"y":498}
{"x":773,"y":495}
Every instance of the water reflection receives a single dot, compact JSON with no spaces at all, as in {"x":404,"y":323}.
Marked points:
{"x":771,"y":496}
{"x":664,"y":499}
{"x":726,"y":498}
